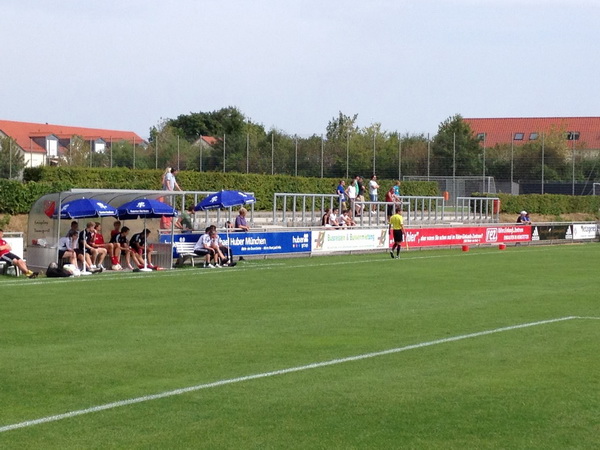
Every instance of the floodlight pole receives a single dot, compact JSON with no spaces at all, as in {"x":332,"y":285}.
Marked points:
{"x":483,"y":176}
{"x":543,"y":162}
{"x":573,"y":164}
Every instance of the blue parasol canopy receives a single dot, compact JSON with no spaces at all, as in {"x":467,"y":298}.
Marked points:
{"x":85,"y":207}
{"x":225,"y":199}
{"x":144,"y":208}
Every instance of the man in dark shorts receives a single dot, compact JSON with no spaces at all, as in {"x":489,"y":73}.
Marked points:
{"x":139,"y":246}
{"x":12,"y":259}
{"x":397,"y":227}
{"x":122,"y":241}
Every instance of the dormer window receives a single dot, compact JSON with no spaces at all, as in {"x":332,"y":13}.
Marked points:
{"x":51,"y":146}
{"x":99,"y":146}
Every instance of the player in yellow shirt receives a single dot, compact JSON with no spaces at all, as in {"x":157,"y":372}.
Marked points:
{"x":397,"y":227}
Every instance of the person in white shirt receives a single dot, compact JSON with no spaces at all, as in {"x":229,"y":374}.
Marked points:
{"x":67,"y":246}
{"x":204,"y":248}
{"x":351,"y":194}
{"x":333,"y":218}
{"x":373,"y":187}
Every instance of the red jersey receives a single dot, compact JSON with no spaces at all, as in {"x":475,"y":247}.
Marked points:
{"x":98,"y":239}
{"x":3,"y":251}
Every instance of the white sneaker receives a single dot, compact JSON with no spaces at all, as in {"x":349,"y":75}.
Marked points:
{"x":209,"y":266}
{"x":217,"y":265}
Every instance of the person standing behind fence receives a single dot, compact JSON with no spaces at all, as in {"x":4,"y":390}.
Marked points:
{"x":351,"y":194}
{"x":360,"y":195}
{"x":397,"y":227}
{"x":341,"y":193}
{"x":390,"y":199}
{"x":373,"y":189}
{"x":172,"y":181}
{"x":165,"y":176}
{"x":398,"y":191}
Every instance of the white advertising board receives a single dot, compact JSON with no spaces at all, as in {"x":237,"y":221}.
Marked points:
{"x":585,"y":231}
{"x":330,"y":240}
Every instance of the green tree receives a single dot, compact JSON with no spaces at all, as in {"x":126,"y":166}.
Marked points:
{"x":455,"y":149}
{"x":228,"y":120}
{"x":12,"y":161}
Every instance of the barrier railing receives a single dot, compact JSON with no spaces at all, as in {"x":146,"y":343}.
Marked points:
{"x":478,"y":209}
{"x":294,"y":209}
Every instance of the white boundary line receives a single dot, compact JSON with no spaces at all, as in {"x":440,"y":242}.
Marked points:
{"x":125,"y":276}
{"x":316,"y":365}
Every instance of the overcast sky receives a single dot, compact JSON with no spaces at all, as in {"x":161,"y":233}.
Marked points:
{"x":293,"y":65}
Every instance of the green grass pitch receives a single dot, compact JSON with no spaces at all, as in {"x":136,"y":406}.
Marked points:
{"x":461,"y":371}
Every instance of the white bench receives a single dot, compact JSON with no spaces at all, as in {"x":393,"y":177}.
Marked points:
{"x":185,"y":250}
{"x":9,"y":269}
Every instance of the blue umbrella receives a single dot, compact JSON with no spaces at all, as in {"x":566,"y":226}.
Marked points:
{"x":224,"y":199}
{"x":145,"y":208}
{"x":85,"y":207}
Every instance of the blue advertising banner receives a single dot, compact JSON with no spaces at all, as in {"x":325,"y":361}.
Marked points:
{"x":252,"y":243}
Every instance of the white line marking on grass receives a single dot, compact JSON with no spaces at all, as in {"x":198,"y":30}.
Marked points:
{"x":252,"y":265}
{"x":316,"y":365}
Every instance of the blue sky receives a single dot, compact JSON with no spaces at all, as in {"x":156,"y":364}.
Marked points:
{"x":293,"y":65}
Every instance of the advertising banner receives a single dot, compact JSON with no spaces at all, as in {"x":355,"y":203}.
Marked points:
{"x":329,"y":240}
{"x":252,"y":243}
{"x":585,"y":231}
{"x":431,"y":237}
{"x":551,"y":232}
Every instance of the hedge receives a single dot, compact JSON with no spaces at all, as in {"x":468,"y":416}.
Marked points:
{"x":547,"y":204}
{"x":17,"y":198}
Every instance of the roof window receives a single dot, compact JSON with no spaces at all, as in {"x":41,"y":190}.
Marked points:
{"x":518,"y":136}
{"x":533,"y":136}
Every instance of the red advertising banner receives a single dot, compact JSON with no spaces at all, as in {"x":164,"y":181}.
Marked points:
{"x":431,"y":237}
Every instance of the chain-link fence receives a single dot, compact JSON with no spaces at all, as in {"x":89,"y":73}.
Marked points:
{"x":543,"y":167}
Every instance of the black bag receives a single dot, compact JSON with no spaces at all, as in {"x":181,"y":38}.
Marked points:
{"x":54,"y":271}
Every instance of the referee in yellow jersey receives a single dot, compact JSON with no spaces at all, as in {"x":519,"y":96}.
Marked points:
{"x":397,"y":226}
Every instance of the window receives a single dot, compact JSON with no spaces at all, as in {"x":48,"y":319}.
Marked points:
{"x":480,"y":136}
{"x":533,"y":136}
{"x":518,"y":136}
{"x":572,"y":135}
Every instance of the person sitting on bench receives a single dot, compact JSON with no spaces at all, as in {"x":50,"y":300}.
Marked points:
{"x":12,"y":259}
{"x":204,"y":248}
{"x":121,"y":241}
{"x":139,"y":246}
{"x":66,"y":248}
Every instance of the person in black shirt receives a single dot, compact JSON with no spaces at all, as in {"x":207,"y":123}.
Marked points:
{"x":139,"y":246}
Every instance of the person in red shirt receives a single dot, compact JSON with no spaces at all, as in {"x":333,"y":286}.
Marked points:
{"x":11,"y":258}
{"x":112,"y":251}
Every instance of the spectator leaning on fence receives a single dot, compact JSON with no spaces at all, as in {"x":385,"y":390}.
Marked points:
{"x":240,"y":221}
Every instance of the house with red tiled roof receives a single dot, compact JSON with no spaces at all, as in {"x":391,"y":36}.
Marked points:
{"x":43,"y":144}
{"x":582,"y":132}
{"x":206,"y":142}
